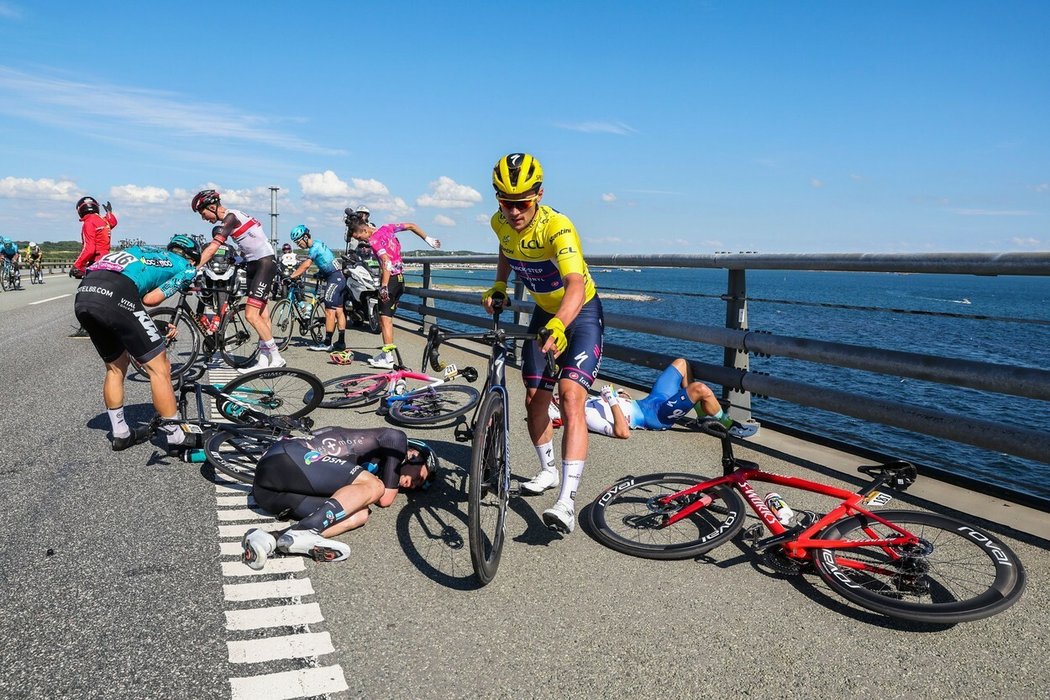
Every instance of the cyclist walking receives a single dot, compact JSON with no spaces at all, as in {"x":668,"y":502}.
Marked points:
{"x":318,"y":253}
{"x":261,"y":266}
{"x":543,"y":249}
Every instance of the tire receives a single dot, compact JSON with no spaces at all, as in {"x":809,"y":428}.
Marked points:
{"x":488,"y":489}
{"x":316,"y":325}
{"x":236,"y":453}
{"x":372,"y":310}
{"x":622,"y":518}
{"x":184,"y":349}
{"x":353,"y":390}
{"x":282,"y":323}
{"x":5,"y":282}
{"x":284,"y":391}
{"x":434,"y":404}
{"x":963,"y":573}
{"x":239,"y":340}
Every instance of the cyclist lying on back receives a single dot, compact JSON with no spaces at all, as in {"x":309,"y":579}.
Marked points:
{"x":326,"y":482}
{"x":616,"y":414}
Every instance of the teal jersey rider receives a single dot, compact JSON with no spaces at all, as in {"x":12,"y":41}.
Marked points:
{"x":323,"y":257}
{"x":8,"y":248}
{"x":149,"y":268}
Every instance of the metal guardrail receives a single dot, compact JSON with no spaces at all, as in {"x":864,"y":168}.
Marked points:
{"x":738,"y":341}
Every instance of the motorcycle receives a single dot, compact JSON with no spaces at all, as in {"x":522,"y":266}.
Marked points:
{"x":361,"y":302}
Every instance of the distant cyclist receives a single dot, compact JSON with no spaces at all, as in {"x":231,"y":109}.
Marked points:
{"x":543,"y":249}
{"x":34,"y":258}
{"x":261,"y":266}
{"x":325,"y":482}
{"x":318,"y":253}
{"x":673,"y":396}
{"x":109,"y":305}
{"x":387,"y":249}
{"x":9,"y":252}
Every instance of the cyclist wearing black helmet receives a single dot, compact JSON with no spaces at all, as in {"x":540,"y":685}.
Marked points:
{"x":109,"y":305}
{"x":94,"y":240}
{"x":327,"y":482}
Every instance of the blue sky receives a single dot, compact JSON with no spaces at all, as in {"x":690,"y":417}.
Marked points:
{"x":681,"y":127}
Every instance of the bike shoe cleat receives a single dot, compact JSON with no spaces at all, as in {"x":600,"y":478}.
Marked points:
{"x":743,"y":430}
{"x":138,"y":436}
{"x":256,"y":547}
{"x":262,"y":363}
{"x":560,"y":518}
{"x":311,"y":543}
{"x":546,"y":479}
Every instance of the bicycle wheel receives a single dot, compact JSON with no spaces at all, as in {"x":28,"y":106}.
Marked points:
{"x":353,"y":390}
{"x":488,"y":488}
{"x":956,"y":573}
{"x":284,"y":391}
{"x":316,"y":325}
{"x":282,"y":323}
{"x":236,"y":453}
{"x":434,"y":404}
{"x":627,"y":518}
{"x":5,"y":281}
{"x":239,"y":339}
{"x":182,"y":350}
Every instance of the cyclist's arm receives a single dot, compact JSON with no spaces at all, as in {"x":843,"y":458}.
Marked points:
{"x":303,"y":267}
{"x":384,"y":269}
{"x":621,"y":428}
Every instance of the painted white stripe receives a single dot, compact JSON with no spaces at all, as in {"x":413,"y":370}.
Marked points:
{"x":231,"y":487}
{"x":284,"y":565}
{"x":290,"y":684}
{"x":284,"y":588}
{"x":60,"y":296}
{"x":230,"y":549}
{"x":238,"y":530}
{"x":244,"y":514}
{"x":241,"y":500}
{"x":292,"y":646}
{"x":277,"y":616}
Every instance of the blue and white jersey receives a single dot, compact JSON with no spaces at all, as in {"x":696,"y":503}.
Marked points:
{"x":9,"y":250}
{"x":323,"y":257}
{"x":149,"y":268}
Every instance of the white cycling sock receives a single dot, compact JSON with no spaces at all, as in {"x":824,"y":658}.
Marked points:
{"x":268,"y":346}
{"x":571,"y":471}
{"x":546,"y":455}
{"x":173,"y":431}
{"x":117,"y":422}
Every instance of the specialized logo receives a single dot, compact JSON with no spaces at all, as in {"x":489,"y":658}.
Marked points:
{"x":311,"y":456}
{"x":515,"y":159}
{"x":580,"y":359}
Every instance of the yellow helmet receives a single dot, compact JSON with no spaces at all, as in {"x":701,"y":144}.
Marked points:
{"x":517,"y":174}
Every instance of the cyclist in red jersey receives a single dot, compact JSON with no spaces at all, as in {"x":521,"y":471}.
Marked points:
{"x":94,"y":241}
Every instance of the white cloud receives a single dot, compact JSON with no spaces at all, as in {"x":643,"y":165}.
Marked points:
{"x":133,"y":194}
{"x":618,"y":128}
{"x":483,"y":218}
{"x":993,"y":212}
{"x":442,"y":220}
{"x":329,"y":185}
{"x":446,"y":193}
{"x":1041,"y":187}
{"x":608,"y":197}
{"x":44,"y":188}
{"x":816,"y":183}
{"x":1026,"y":242}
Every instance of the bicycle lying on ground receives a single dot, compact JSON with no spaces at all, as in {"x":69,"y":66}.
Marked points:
{"x":489,"y":481}
{"x":252,"y":412}
{"x":295,"y":311}
{"x":907,"y":564}
{"x":436,"y":402}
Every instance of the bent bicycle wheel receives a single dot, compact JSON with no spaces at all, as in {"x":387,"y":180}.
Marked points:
{"x":239,"y":339}
{"x":236,"y":453}
{"x":182,"y":350}
{"x":955,"y":573}
{"x":353,"y":390}
{"x":283,"y":391}
{"x":488,"y":488}
{"x":434,"y":404}
{"x":629,"y":517}
{"x":282,"y":323}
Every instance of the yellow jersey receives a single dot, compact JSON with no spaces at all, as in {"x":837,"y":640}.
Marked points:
{"x":543,"y":255}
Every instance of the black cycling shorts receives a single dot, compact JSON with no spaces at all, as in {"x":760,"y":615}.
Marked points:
{"x":293,"y":480}
{"x":582,"y":356}
{"x":334,"y":290}
{"x":109,"y":309}
{"x":396,"y":287}
{"x":260,"y":275}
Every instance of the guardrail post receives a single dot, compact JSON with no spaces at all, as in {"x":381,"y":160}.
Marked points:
{"x":736,"y":318}
{"x":428,"y":302}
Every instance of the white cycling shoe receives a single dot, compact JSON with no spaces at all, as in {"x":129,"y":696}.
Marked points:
{"x":311,"y":543}
{"x":272,"y":363}
{"x":546,"y":479}
{"x":262,"y":363}
{"x":561,"y":518}
{"x":256,"y":547}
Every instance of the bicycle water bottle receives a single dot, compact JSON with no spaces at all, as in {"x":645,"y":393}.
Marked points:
{"x":194,"y":456}
{"x":400,"y":387}
{"x":779,"y":508}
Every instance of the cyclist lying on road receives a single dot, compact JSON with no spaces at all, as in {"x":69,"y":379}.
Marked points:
{"x":326,"y":481}
{"x":615,"y":413}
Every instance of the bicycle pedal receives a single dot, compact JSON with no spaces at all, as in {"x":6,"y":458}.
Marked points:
{"x":753,"y":533}
{"x":515,"y":490}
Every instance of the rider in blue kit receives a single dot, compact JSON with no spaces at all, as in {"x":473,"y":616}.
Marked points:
{"x":320,"y":254}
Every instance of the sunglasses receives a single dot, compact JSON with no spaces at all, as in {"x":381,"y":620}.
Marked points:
{"x":517,"y":204}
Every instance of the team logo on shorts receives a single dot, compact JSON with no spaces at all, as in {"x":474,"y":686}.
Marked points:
{"x":312,"y":456}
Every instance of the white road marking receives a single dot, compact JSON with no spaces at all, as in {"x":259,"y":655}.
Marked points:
{"x":292,"y":646}
{"x":239,"y":500}
{"x":285,"y":588}
{"x":244,"y":514}
{"x":60,"y":296}
{"x":277,"y":616}
{"x":238,"y":530}
{"x":290,"y":684}
{"x":284,"y":565}
{"x":230,"y":549}
{"x":231,"y":487}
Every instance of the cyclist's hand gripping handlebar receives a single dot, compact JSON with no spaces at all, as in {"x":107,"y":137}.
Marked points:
{"x":552,"y":366}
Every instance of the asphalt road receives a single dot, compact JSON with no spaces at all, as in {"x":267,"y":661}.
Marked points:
{"x":117,"y":583}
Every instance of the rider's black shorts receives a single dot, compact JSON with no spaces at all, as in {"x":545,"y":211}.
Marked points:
{"x":582,"y":356}
{"x":260,"y":275}
{"x":292,"y":480}
{"x":334,"y":290}
{"x":396,"y":287}
{"x":109,"y":309}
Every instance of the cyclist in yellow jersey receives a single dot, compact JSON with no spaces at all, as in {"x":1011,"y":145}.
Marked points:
{"x":542,"y":247}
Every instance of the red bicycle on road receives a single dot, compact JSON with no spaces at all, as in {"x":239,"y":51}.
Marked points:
{"x":907,"y":564}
